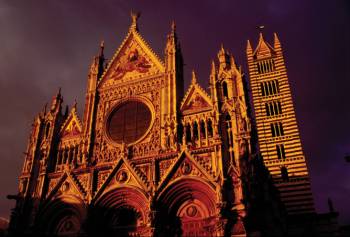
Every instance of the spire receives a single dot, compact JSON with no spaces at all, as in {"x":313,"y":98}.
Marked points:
{"x":232,"y":62}
{"x":172,"y":48}
{"x":75,"y":105}
{"x":172,"y":39}
{"x":261,"y":37}
{"x":173,"y":27}
{"x":194,"y":78}
{"x":56,"y":100}
{"x":276,"y":42}
{"x":222,"y":49}
{"x":223,"y":57}
{"x":45,"y":108}
{"x":212,"y":82}
{"x":134,"y":17}
{"x":249,"y":47}
{"x":213,"y":69}
{"x":58,"y":95}
{"x":102,"y":47}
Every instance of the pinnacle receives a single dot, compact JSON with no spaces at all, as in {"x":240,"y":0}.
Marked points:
{"x":102,"y":46}
{"x":222,"y":49}
{"x":134,"y":17}
{"x":249,"y":46}
{"x":212,"y":66}
{"x":194,"y":79}
{"x":276,"y":41}
{"x":173,"y":26}
{"x":75,"y":104}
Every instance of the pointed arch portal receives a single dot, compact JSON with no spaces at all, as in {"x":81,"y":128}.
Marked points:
{"x":189,"y":206}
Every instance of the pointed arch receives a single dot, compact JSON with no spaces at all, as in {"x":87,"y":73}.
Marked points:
{"x":210,"y":128}
{"x":120,"y":211}
{"x":186,"y":205}
{"x":63,"y":216}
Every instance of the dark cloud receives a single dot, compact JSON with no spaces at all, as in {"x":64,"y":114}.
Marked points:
{"x":47,"y":44}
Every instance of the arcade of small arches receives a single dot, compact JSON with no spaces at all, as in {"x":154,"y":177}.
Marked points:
{"x":195,"y":132}
{"x":68,"y":155}
{"x":187,"y":207}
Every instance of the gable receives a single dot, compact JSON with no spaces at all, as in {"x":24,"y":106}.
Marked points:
{"x":196,"y":100}
{"x":123,"y":174}
{"x":184,"y":166}
{"x":72,"y":126}
{"x":263,"y":50}
{"x":67,"y":184}
{"x":133,"y":60}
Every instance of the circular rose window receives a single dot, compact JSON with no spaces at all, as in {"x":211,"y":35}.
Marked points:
{"x":128,"y":122}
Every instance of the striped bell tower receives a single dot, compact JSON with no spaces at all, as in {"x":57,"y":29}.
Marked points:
{"x":277,"y":128}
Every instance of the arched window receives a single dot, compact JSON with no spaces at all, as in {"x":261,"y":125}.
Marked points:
{"x":262,"y":89}
{"x":210,"y":128}
{"x":224,"y":89}
{"x":281,"y":132}
{"x":228,"y":120}
{"x":280,"y":151}
{"x":272,"y":130}
{"x":202,"y":129}
{"x":267,"y":109}
{"x":195,"y":131}
{"x":188,"y":133}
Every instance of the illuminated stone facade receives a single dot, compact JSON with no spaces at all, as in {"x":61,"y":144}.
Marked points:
{"x":148,"y":159}
{"x":277,"y":128}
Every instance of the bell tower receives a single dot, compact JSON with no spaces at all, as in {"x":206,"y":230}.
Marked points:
{"x":277,"y":128}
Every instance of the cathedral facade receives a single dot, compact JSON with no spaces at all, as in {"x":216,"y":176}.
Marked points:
{"x":147,"y":158}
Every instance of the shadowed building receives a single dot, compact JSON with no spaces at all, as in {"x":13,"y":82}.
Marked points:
{"x":148,"y":159}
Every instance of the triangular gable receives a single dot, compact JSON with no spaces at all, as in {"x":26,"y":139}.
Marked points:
{"x":66,"y":185}
{"x":72,"y":127}
{"x":263,"y":49}
{"x":196,"y":99}
{"x":184,"y":166}
{"x":133,"y":59}
{"x":122,"y":174}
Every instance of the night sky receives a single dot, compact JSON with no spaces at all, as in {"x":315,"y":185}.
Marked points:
{"x":49,"y":44}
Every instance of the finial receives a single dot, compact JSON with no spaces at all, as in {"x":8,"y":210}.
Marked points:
{"x":212,"y":66}
{"x":58,"y":95}
{"x":45,"y":107}
{"x":232,"y":61}
{"x":194,"y":79}
{"x":102,"y":46}
{"x":75,"y":104}
{"x":173,"y":26}
{"x":222,"y":47}
{"x":134,"y":17}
